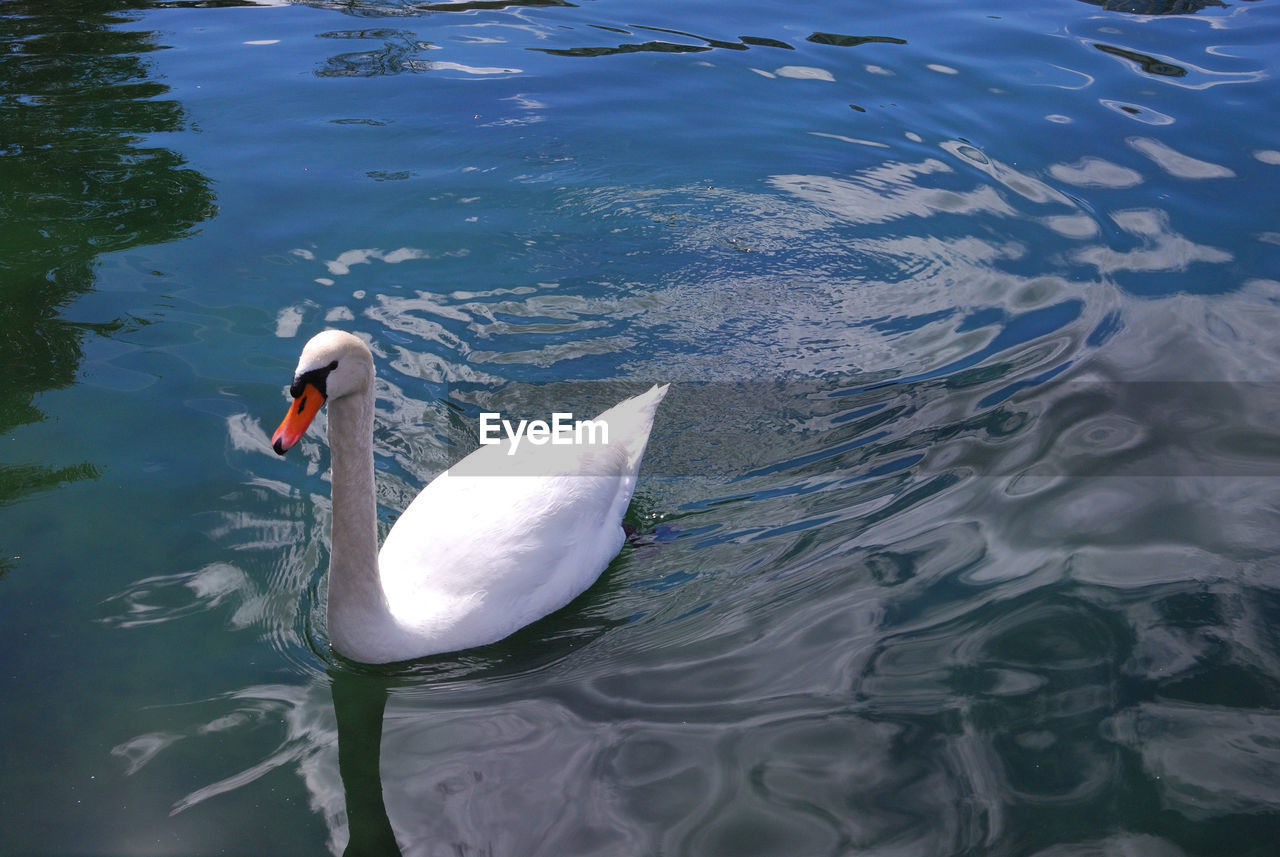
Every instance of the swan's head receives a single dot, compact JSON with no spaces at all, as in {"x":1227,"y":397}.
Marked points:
{"x":333,"y":364}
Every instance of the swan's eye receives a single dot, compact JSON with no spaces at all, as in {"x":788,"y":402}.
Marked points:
{"x":317,"y":378}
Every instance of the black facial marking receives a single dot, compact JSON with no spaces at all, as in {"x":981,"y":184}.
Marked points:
{"x":317,"y":378}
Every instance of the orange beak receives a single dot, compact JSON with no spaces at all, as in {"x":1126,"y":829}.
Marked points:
{"x":301,"y":413}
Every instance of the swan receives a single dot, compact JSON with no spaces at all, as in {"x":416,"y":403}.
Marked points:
{"x":504,"y":537}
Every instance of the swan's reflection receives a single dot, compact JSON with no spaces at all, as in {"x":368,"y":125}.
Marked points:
{"x":359,"y":701}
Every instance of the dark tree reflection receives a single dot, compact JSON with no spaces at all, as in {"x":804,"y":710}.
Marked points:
{"x":1155,"y":7}
{"x":78,"y":177}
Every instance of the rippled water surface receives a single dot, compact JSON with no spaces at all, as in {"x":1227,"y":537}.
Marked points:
{"x":958,"y":532}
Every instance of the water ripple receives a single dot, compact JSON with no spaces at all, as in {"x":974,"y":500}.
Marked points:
{"x":1207,"y":761}
{"x":958,"y":532}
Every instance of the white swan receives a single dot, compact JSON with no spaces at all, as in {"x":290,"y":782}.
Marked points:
{"x":476,"y":555}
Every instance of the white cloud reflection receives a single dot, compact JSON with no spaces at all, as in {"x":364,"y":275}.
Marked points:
{"x":1177,"y":164}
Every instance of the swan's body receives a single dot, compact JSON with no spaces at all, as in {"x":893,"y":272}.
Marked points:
{"x":476,"y":555}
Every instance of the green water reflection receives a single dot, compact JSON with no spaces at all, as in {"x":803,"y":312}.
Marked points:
{"x":80,"y":175}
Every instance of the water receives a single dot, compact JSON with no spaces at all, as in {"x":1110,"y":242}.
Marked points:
{"x":959,"y":526}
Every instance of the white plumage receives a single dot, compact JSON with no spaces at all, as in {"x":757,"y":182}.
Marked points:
{"x":475,"y":556}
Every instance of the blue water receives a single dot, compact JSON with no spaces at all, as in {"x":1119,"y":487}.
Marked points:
{"x":958,"y":529}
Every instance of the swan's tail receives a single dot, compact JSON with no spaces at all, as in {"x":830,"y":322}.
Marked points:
{"x":631,"y":420}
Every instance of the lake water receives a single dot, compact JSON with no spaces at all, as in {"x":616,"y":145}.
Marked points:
{"x":959,"y":529}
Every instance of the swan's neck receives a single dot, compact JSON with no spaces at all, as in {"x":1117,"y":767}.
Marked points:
{"x":358,"y":614}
